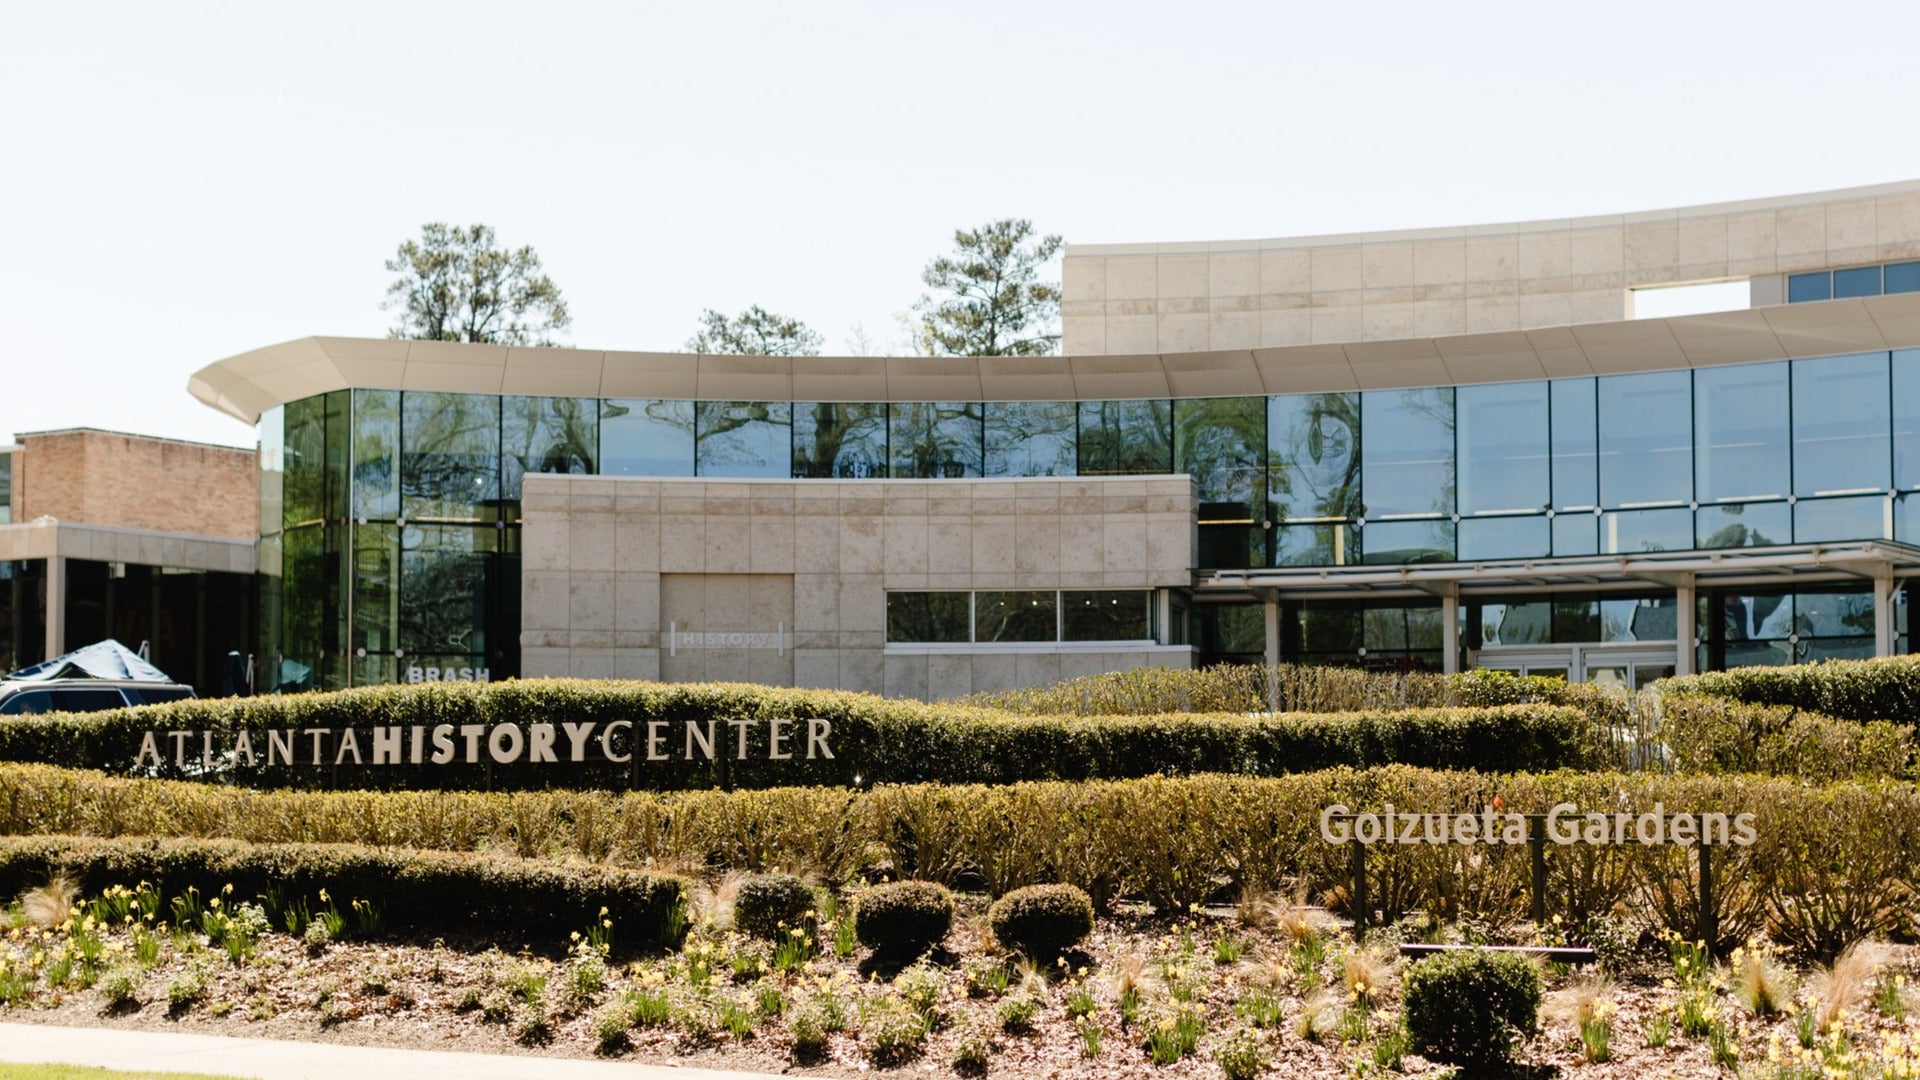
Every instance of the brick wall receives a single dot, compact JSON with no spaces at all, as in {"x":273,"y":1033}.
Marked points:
{"x":137,"y":482}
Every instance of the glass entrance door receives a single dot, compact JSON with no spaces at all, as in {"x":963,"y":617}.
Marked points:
{"x":1631,"y":666}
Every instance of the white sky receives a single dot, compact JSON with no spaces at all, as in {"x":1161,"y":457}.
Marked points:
{"x":181,"y":182}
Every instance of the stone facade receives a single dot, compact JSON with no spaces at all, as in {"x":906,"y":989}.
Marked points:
{"x":785,"y":581}
{"x":1248,"y":294}
{"x":106,"y":478}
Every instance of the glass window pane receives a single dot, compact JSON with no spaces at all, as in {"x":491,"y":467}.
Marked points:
{"x":1516,"y":624}
{"x":1841,"y":423}
{"x":928,"y":616}
{"x":1125,"y":437}
{"x":939,"y":440}
{"x":443,"y":590}
{"x":1330,"y":628}
{"x":1859,"y":518}
{"x":1503,"y":447}
{"x":1222,"y":444}
{"x":1407,"y":541}
{"x":1859,"y":281}
{"x":1576,"y":439}
{"x":646,"y":438}
{"x":1504,"y":537}
{"x":743,"y":438}
{"x":1576,"y":620}
{"x":1106,"y":615}
{"x":1627,"y":532}
{"x":1903,"y":277}
{"x":1576,"y":533}
{"x":1030,"y":438}
{"x":1906,"y":519}
{"x":547,"y":435}
{"x":273,"y":470}
{"x":449,"y":456}
{"x":1313,"y":449}
{"x":1424,"y":628}
{"x":1906,"y":419}
{"x":376,"y":595}
{"x":376,"y":453}
{"x":1384,"y":629}
{"x":1646,"y":451}
{"x":1757,"y":618}
{"x":1740,"y":432}
{"x":1645,"y":619}
{"x":1316,"y":545}
{"x":1736,"y":525}
{"x":1815,"y":286}
{"x":6,"y":488}
{"x":1016,"y":616}
{"x":1835,"y":614}
{"x":306,"y":461}
{"x":843,"y":440}
{"x":1406,"y":461}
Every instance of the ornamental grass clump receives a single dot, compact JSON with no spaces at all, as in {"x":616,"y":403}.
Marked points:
{"x":1472,"y":1008}
{"x":903,"y":918}
{"x":1042,"y":921}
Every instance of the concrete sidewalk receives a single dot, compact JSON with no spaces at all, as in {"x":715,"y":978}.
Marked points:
{"x":269,"y":1059}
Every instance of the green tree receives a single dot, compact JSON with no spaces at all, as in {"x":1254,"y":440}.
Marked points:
{"x":754,"y":332}
{"x":454,"y":284}
{"x":988,"y":298}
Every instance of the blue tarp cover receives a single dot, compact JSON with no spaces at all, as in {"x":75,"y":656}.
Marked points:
{"x":103,"y":660}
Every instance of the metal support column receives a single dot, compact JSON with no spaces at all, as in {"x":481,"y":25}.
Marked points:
{"x":56,"y":606}
{"x":1685,"y":611}
{"x":1273,"y":628}
{"x":1885,"y":634}
{"x":1450,"y":633}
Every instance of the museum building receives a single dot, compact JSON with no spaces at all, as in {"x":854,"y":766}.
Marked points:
{"x":1431,"y":449}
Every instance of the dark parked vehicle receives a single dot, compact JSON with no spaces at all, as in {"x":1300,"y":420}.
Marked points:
{"x":84,"y":695}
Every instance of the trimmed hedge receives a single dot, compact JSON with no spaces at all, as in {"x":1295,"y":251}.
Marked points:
{"x":1042,"y":921}
{"x":1249,"y":688}
{"x":902,"y":918}
{"x":1830,"y":863}
{"x":428,"y":891}
{"x":1717,"y":735}
{"x":1472,"y":1008}
{"x":872,"y":740}
{"x":767,"y":906}
{"x":1884,"y":689}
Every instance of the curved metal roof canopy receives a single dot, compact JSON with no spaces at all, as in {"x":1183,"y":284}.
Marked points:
{"x":247,"y":385}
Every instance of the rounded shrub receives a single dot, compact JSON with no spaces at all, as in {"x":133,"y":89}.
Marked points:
{"x":1471,"y":1007}
{"x":768,"y":905}
{"x":1042,"y":921}
{"x":903,"y":918}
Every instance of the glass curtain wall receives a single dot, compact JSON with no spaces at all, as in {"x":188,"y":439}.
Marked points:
{"x":376,"y":502}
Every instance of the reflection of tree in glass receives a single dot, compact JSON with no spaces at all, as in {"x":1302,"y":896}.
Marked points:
{"x":376,"y":439}
{"x":546,"y":435}
{"x":841,"y":439}
{"x":450,"y":465}
{"x":1314,"y":467}
{"x":1125,"y":437}
{"x":1030,"y":438}
{"x":717,"y":424}
{"x":443,"y":600}
{"x":306,"y":467}
{"x":1017,"y":616}
{"x":1221,"y":444}
{"x":940,"y":440}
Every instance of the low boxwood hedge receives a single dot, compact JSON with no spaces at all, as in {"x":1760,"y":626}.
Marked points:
{"x":660,"y":734}
{"x":1884,"y":689}
{"x":1829,"y":863}
{"x":428,"y":891}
